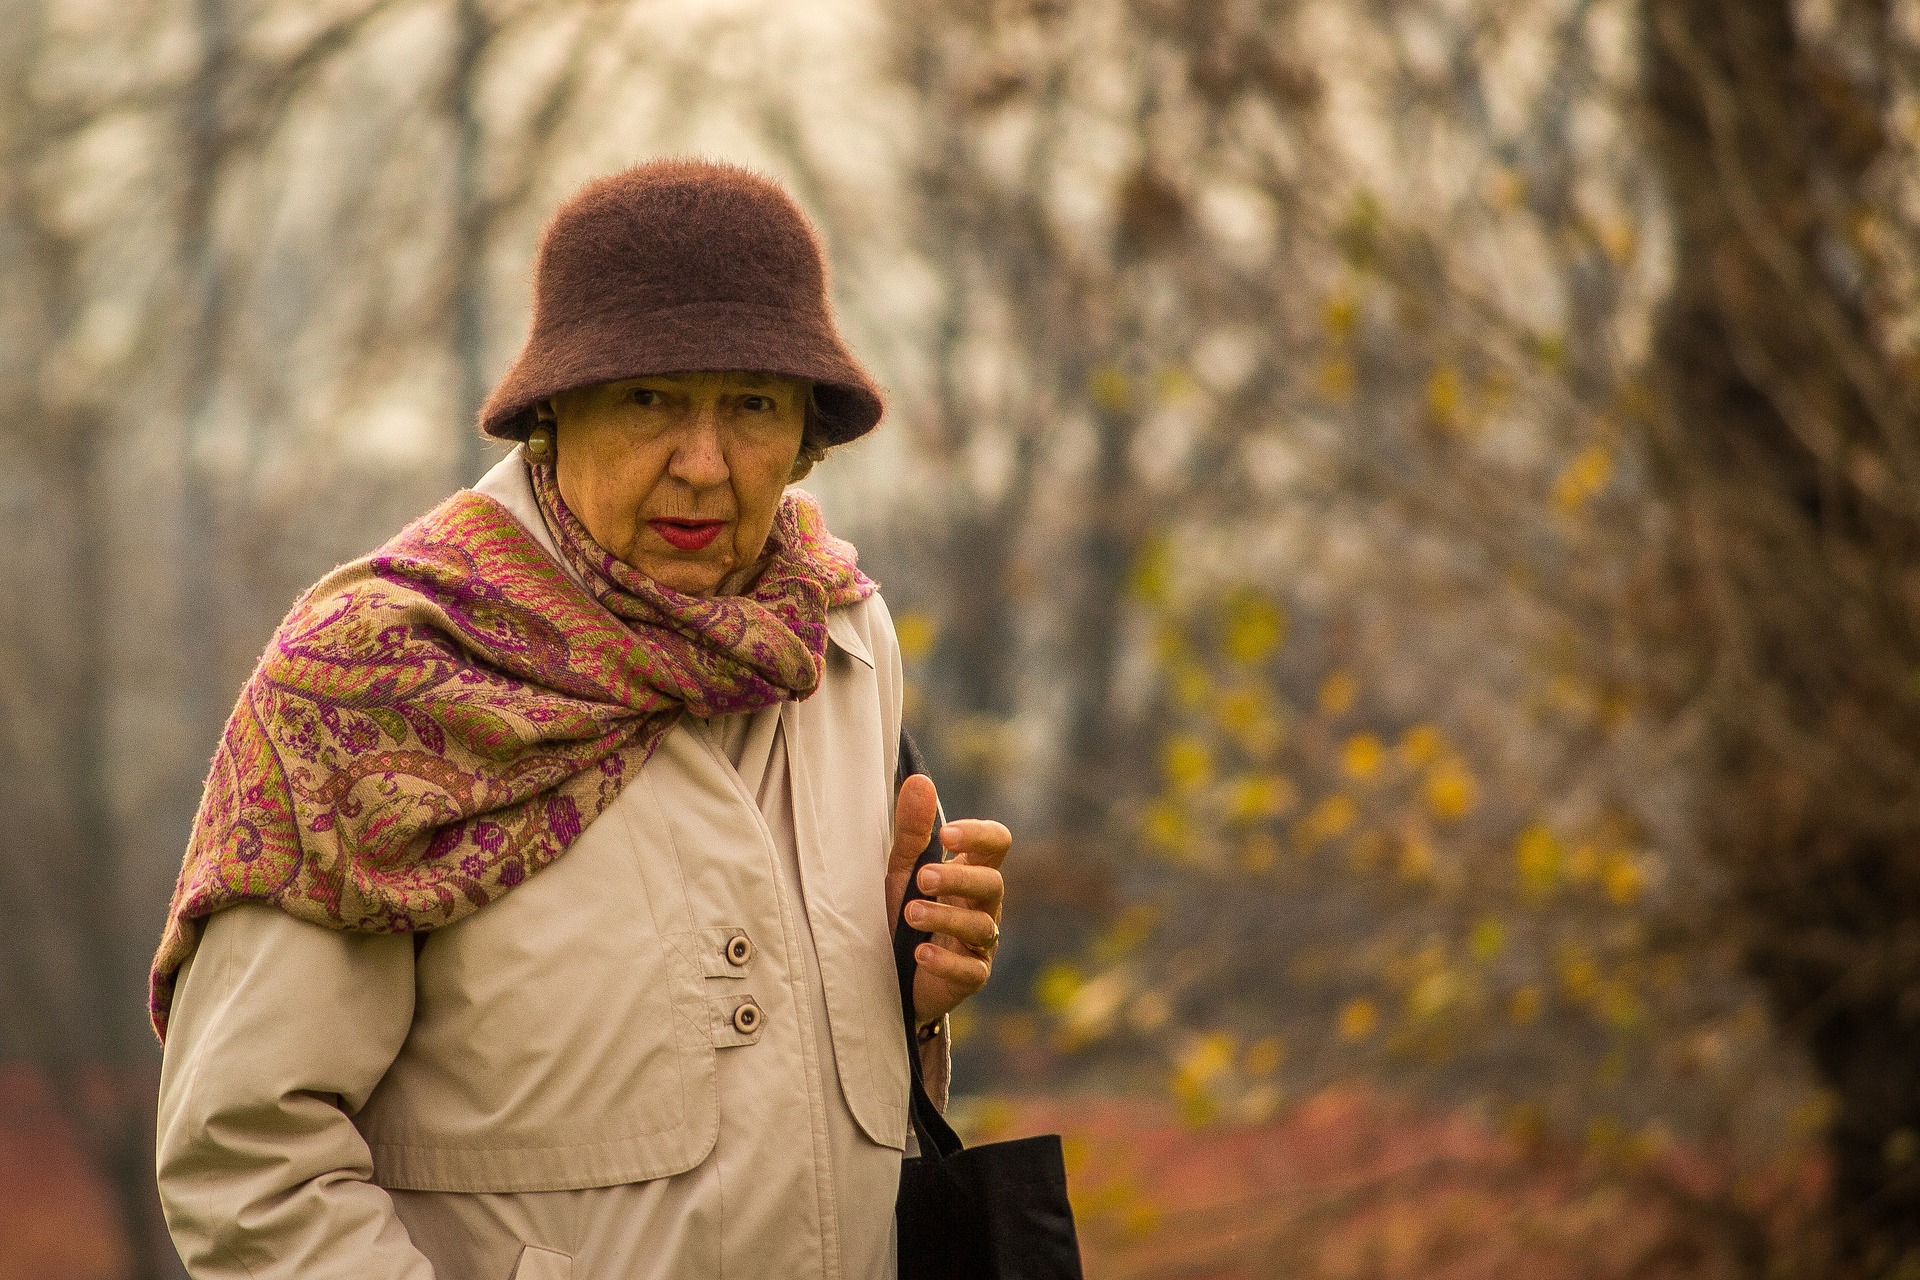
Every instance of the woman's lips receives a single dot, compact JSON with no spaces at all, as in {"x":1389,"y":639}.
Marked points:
{"x":688,"y":535}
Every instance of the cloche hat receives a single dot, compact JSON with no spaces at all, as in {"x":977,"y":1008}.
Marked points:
{"x":682,"y":266}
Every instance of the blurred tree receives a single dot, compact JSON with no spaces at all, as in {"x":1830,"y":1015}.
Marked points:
{"x":1789,"y":431}
{"x":1369,"y":346}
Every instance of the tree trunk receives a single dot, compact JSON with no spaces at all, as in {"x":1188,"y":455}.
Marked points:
{"x":1785,"y":433}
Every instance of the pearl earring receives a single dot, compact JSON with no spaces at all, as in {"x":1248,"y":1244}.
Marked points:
{"x":539,"y":445}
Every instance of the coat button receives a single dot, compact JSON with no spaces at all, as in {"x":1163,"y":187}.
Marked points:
{"x":746,"y":1018}
{"x":739,"y":949}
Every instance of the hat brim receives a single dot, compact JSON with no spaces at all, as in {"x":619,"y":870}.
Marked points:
{"x":700,"y":337}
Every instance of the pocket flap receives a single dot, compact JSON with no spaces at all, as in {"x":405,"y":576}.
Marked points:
{"x":543,"y":1264}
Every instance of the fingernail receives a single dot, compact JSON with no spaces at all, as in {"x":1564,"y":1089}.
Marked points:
{"x":926,"y":951}
{"x":949,"y":834}
{"x":929,"y":880}
{"x":916,"y":914}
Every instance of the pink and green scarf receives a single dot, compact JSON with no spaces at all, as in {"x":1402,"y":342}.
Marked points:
{"x":436,"y":722}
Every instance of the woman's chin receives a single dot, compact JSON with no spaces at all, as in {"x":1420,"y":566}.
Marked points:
{"x":688,"y":577}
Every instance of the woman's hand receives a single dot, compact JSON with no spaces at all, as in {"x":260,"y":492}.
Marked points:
{"x":968,"y":894}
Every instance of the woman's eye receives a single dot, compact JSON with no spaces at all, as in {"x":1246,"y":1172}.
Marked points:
{"x":644,"y":396}
{"x":757,"y":404}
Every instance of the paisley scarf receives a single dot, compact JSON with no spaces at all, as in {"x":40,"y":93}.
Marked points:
{"x":436,"y":722}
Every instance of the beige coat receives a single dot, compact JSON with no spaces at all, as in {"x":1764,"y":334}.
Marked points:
{"x":565,"y":1083}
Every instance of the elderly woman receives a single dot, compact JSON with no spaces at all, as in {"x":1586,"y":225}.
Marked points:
{"x":537,"y":920}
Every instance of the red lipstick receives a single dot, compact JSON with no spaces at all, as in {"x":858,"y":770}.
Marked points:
{"x":688,"y":535}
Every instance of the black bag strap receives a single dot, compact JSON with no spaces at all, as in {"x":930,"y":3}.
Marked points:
{"x":938,"y":1141}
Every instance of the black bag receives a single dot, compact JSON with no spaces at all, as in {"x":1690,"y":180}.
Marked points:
{"x":996,"y":1212}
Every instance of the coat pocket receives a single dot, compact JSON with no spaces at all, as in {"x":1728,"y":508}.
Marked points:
{"x":543,"y":1264}
{"x":559,"y":1041}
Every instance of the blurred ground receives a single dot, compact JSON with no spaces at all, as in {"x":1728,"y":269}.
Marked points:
{"x":1349,"y":1185}
{"x":1346,"y":1185}
{"x":56,"y":1215}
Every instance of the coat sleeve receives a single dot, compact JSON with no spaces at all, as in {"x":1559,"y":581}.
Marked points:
{"x":280,"y":1031}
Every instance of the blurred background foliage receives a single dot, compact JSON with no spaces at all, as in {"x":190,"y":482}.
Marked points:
{"x":1408,"y":508}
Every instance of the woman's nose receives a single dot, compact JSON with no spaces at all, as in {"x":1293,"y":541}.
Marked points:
{"x":699,"y":459}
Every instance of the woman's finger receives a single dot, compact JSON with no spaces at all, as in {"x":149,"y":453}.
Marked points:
{"x":983,"y":841}
{"x":976,"y":929}
{"x":914,"y":813}
{"x":978,"y":886}
{"x":965,"y":972}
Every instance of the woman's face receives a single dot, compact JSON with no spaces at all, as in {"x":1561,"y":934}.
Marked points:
{"x":680,"y":475}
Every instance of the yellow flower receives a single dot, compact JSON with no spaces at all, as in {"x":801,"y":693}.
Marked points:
{"x":1142,"y":1218}
{"x":1584,"y":477}
{"x":1416,"y":857}
{"x":1811,"y":1117}
{"x":1617,"y":237}
{"x":1332,"y":818}
{"x":1203,"y":1061}
{"x":1444,"y":396}
{"x":1174,"y":384}
{"x":1362,"y":756}
{"x":1057,"y":985}
{"x":1579,"y":975}
{"x":916,"y":631}
{"x":1239,"y":709}
{"x":1170,"y":647}
{"x":1110,"y":389}
{"x":1421,"y":744}
{"x":1256,"y":797}
{"x":989,"y":1118}
{"x":1451,"y":792}
{"x":1243,"y":713}
{"x":1135,"y":925}
{"x":1206,"y":1057}
{"x":1152,"y":573}
{"x":1536,"y":860}
{"x":1166,"y":827}
{"x":1488,"y":940}
{"x":1190,"y":685}
{"x":1623,"y":879}
{"x":1338,"y":316}
{"x":1255,"y":627}
{"x":1358,"y":1019}
{"x":1337,"y":693}
{"x":1620,"y":1008}
{"x":1187,"y":762}
{"x":1433,"y":995}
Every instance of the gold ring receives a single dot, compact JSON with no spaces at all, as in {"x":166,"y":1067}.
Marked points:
{"x":986,"y":952}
